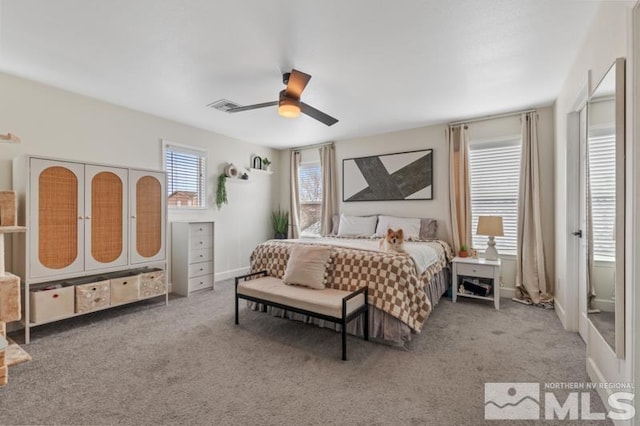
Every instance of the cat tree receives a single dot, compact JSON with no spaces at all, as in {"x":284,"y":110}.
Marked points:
{"x":10,"y":309}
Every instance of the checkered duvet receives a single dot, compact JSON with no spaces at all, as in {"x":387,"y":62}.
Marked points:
{"x":394,"y":285}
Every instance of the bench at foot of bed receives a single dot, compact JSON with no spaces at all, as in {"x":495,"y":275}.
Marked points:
{"x":337,"y":306}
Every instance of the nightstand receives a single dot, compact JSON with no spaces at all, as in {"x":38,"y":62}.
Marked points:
{"x":481,"y":270}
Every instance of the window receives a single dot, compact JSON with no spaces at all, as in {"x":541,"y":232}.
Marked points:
{"x":495,"y":174}
{"x":310,"y":188}
{"x":186,"y":176}
{"x":602,"y":183}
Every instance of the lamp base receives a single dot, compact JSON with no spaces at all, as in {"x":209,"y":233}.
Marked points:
{"x":491,"y":253}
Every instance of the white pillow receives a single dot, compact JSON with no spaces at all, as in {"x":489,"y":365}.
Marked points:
{"x":307,"y":266}
{"x":357,"y":226}
{"x":409,"y":225}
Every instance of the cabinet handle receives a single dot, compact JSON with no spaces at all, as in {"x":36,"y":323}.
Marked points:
{"x":201,"y":269}
{"x":133,"y":217}
{"x":201,"y":242}
{"x":87,"y":217}
{"x":80,"y":218}
{"x":201,"y":229}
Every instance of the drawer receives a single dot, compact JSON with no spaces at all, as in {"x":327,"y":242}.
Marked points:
{"x":200,"y":242}
{"x":125,"y":289}
{"x":92,"y":296}
{"x":200,"y":229}
{"x":199,"y":269}
{"x":52,"y":304}
{"x":199,"y":283}
{"x":197,"y":256}
{"x":473,"y":270}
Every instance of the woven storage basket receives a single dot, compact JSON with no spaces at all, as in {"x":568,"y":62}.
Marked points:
{"x":92,"y":296}
{"x":152,"y":283}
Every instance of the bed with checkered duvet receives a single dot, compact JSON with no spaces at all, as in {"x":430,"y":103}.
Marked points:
{"x":403,"y":287}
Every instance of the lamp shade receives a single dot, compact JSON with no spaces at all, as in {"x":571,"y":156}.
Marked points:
{"x":490,"y":225}
{"x":288,"y":107}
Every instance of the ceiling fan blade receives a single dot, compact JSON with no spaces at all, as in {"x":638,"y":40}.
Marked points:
{"x":317,"y":114}
{"x":297,"y":82}
{"x":255,"y":106}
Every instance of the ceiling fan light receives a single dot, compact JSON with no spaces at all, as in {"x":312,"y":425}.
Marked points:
{"x":289,"y":108}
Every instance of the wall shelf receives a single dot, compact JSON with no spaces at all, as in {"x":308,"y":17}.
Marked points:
{"x":237,"y":180}
{"x":264,"y":172}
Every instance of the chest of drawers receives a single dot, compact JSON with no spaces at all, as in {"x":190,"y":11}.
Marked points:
{"x":192,"y":266}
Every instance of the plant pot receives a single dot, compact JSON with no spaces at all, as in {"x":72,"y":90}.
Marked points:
{"x":463,"y":253}
{"x":280,"y":236}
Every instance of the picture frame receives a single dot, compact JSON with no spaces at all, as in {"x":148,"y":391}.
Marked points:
{"x":398,"y":176}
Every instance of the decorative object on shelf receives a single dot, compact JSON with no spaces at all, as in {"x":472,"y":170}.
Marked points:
{"x":8,"y":209}
{"x":266,"y":163}
{"x":400,"y":176}
{"x":10,"y":138}
{"x":463,"y":251}
{"x":256,"y":162}
{"x":221,"y":192}
{"x":490,"y":226}
{"x":244,"y":176}
{"x":231,"y":171}
{"x":280,"y":221}
{"x":473,"y":253}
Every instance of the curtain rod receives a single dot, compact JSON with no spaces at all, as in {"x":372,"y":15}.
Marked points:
{"x":491,"y":117}
{"x":318,"y":145}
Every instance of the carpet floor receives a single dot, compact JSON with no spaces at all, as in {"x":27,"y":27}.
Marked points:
{"x":187,"y":363}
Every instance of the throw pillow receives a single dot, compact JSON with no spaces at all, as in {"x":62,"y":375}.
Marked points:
{"x":307,"y":266}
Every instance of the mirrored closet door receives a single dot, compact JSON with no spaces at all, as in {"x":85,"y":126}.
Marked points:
{"x":603,"y":207}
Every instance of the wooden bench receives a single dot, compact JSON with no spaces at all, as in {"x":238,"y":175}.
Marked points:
{"x":333,"y":305}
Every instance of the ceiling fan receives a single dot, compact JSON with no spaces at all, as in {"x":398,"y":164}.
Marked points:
{"x":289,"y":104}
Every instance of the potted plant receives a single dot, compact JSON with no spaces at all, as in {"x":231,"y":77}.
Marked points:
{"x":463,"y":251}
{"x":221,"y":192}
{"x":280,"y":222}
{"x":266,"y":163}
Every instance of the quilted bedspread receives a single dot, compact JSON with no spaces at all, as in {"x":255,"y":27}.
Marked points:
{"x":394,"y":285}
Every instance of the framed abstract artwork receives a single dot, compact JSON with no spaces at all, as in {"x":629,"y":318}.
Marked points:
{"x":389,"y":177}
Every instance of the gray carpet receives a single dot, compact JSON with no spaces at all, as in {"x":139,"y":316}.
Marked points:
{"x":187,"y":363}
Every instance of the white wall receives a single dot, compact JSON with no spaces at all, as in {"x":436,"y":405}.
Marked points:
{"x":606,"y":40}
{"x":56,"y":123}
{"x":434,"y":137}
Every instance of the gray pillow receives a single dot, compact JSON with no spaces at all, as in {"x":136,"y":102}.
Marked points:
{"x":428,"y":229}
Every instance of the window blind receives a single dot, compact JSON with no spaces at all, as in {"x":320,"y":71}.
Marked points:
{"x":186,"y":172}
{"x":602,"y":184}
{"x":310,"y":183}
{"x":494,"y":177}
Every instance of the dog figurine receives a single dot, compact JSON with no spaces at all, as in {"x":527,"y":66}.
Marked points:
{"x":394,"y":241}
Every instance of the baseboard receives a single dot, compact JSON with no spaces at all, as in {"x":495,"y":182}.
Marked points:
{"x":221,"y":276}
{"x":561,"y":313}
{"x":605,"y":305}
{"x":507,"y":292}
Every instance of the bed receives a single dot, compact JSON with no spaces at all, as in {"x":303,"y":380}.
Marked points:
{"x":403,"y":287}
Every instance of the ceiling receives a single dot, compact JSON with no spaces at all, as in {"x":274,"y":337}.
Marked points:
{"x":377,"y":66}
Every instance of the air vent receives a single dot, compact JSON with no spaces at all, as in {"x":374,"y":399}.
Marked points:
{"x":223,"y":105}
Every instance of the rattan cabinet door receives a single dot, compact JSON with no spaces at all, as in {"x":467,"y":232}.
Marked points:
{"x":106,"y":212}
{"x":148,"y":216}
{"x":56,"y":222}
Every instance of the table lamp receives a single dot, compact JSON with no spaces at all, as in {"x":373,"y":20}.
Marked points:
{"x":490,"y":226}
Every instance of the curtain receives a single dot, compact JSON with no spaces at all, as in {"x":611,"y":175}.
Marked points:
{"x":459,"y":192}
{"x":329,"y":188}
{"x":295,"y":194}
{"x":531,"y":281}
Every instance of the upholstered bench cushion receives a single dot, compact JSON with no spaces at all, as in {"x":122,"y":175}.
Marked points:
{"x":325,"y":302}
